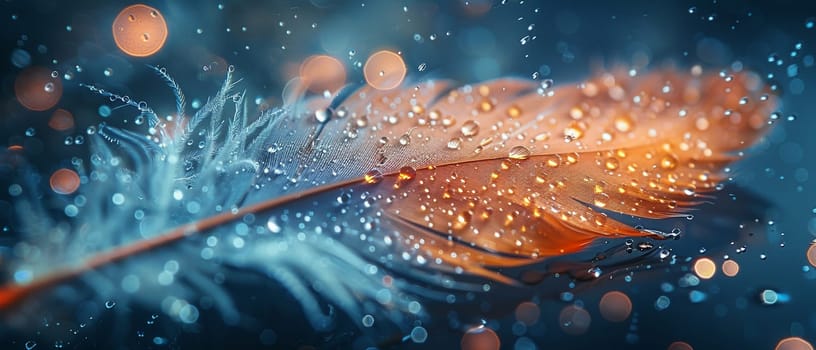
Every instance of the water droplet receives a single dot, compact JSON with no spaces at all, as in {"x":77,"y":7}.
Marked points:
{"x":546,"y":84}
{"x":574,"y":131}
{"x":373,"y":176}
{"x":470,"y":128}
{"x":454,"y":143}
{"x":49,"y":87}
{"x":595,"y":272}
{"x":668,"y":162}
{"x":611,"y":163}
{"x":462,"y":220}
{"x":600,"y":200}
{"x":110,"y":304}
{"x":520,"y":153}
{"x":407,"y":173}
{"x":623,"y":123}
{"x":322,"y":115}
{"x":405,"y":139}
{"x":553,"y":161}
{"x":29,"y":345}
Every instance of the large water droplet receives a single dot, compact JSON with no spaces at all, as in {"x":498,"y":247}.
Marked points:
{"x":373,"y":176}
{"x":470,"y":128}
{"x":407,"y":173}
{"x":520,"y":153}
{"x":454,"y":143}
{"x":405,"y":139}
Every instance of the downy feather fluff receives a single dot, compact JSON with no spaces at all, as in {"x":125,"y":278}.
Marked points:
{"x":337,"y":198}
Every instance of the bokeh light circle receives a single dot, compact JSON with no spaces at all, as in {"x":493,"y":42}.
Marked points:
{"x":384,"y":70}
{"x":705,"y":268}
{"x":793,"y":343}
{"x":64,"y":181}
{"x":574,"y":320}
{"x":679,"y":345}
{"x":811,"y":255}
{"x":480,"y":338}
{"x":528,"y":313}
{"x":730,"y":268}
{"x":615,"y":306}
{"x":139,"y":30}
{"x":37,"y":88}
{"x":61,"y":120}
{"x":321,"y":73}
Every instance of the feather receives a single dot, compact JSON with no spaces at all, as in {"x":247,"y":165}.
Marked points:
{"x":333,"y":197}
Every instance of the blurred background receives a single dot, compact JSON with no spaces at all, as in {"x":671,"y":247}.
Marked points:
{"x":68,"y":43}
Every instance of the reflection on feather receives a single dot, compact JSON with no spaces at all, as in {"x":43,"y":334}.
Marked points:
{"x":347,"y":199}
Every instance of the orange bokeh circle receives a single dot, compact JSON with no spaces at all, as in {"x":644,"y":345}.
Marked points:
{"x":64,"y":181}
{"x":321,"y":73}
{"x":139,"y":30}
{"x":37,"y":89}
{"x":384,"y":70}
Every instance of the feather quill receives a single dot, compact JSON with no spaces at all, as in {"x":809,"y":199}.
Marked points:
{"x":332,"y":197}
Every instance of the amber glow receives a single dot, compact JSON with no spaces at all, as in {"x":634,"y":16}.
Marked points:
{"x":139,"y":30}
{"x":37,"y":89}
{"x":615,"y":306}
{"x":705,"y":268}
{"x":64,"y":181}
{"x":321,"y":73}
{"x":61,"y":120}
{"x":480,"y":338}
{"x":793,"y":343}
{"x":384,"y":70}
{"x":730,"y":268}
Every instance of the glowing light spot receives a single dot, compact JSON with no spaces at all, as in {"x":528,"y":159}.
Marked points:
{"x":623,"y":123}
{"x":61,"y":120}
{"x":574,"y":320}
{"x":793,"y":343}
{"x":615,"y":306}
{"x":528,"y":313}
{"x":139,"y":30}
{"x":514,"y":112}
{"x":321,"y":73}
{"x":730,"y":268}
{"x":705,"y":268}
{"x":64,"y":181}
{"x":612,"y":163}
{"x":679,"y":345}
{"x":384,"y":70}
{"x":37,"y":89}
{"x":480,"y":338}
